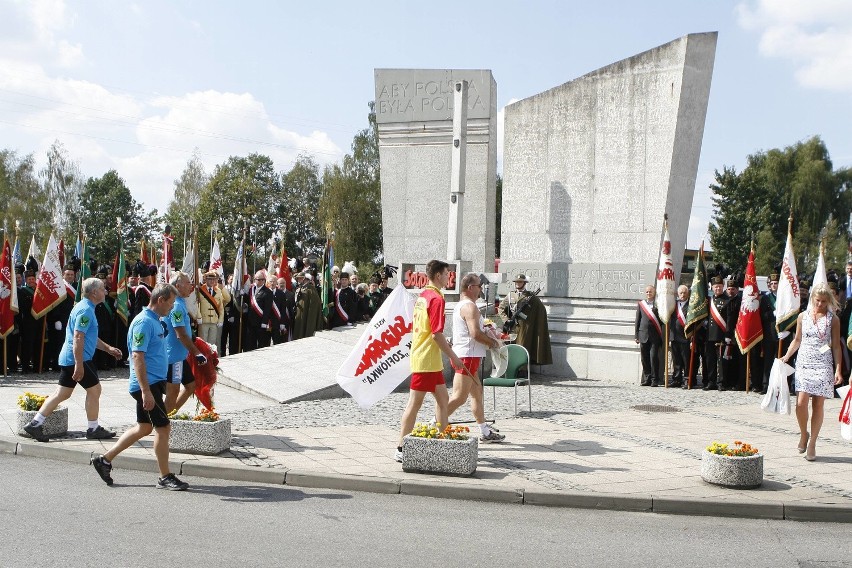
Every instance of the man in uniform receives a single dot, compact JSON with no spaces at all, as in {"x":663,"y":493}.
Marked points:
{"x":532,"y":329}
{"x":770,"y":333}
{"x":257,"y":309}
{"x":735,"y":362}
{"x":719,"y":335}
{"x":679,"y":341}
{"x":29,"y":326}
{"x":648,"y":334}
{"x":212,"y":306}
{"x":308,"y":318}
{"x":343,"y":310}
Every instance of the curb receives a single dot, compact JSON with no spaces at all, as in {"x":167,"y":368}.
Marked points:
{"x":459,"y":490}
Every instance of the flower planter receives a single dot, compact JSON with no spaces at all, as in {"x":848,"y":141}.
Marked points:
{"x":739,"y":472}
{"x":431,"y":455}
{"x":55,"y":425}
{"x":194,"y":437}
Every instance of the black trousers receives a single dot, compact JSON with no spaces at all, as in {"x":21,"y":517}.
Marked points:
{"x":680,"y":361}
{"x":650,"y":354}
{"x":711,"y":364}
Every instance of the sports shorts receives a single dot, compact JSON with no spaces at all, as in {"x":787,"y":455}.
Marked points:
{"x":180,"y":373}
{"x":157,"y":416}
{"x":470,"y":363}
{"x":90,"y":376}
{"x":427,"y":381}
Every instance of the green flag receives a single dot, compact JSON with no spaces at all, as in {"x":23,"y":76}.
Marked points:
{"x":121,"y":299}
{"x":699,"y":307}
{"x":85,"y":272}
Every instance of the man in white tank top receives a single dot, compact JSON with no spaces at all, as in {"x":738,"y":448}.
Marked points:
{"x":470,"y":342}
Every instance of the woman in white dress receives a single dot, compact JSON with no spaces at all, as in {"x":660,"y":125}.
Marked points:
{"x":818,"y":366}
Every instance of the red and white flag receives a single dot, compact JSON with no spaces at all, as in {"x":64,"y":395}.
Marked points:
{"x":50,"y":288}
{"x":284,"y":269}
{"x":381,"y":359}
{"x":749,"y":330}
{"x":665,"y":299}
{"x":216,"y":260}
{"x":8,"y":291}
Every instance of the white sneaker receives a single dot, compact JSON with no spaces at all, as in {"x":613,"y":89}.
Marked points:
{"x":492,"y":436}
{"x":397,"y":455}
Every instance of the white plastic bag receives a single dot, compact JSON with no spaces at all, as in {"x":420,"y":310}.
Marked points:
{"x":777,"y":398}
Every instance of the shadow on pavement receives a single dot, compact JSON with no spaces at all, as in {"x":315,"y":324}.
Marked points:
{"x":261,"y":494}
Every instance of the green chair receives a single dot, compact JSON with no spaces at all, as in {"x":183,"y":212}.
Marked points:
{"x":519,"y":357}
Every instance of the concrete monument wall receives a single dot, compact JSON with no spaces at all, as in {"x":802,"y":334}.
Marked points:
{"x":590,"y":167}
{"x":414,"y":112}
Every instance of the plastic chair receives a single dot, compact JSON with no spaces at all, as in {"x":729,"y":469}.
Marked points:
{"x":518,"y":357}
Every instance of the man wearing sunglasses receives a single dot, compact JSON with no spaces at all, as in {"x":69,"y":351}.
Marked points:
{"x":258,"y":330}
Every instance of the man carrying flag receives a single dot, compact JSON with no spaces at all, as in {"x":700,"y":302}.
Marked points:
{"x":749,"y":330}
{"x":50,"y":292}
{"x":57,"y":318}
{"x":665,"y":294}
{"x":694,"y":328}
{"x":720,"y":331}
{"x":8,"y":303}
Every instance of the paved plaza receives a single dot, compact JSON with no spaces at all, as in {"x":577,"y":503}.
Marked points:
{"x":583,"y":436}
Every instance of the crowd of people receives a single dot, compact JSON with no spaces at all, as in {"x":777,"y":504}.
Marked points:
{"x":262,"y":311}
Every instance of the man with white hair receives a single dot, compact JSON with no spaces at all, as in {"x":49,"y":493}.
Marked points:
{"x":679,"y":341}
{"x":258,"y":313}
{"x":76,"y":365}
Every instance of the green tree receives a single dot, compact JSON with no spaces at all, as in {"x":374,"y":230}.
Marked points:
{"x":103,"y":202}
{"x":758,"y":202}
{"x":24,"y":199}
{"x":351,"y":200}
{"x":243,"y":192}
{"x":183,"y":207}
{"x":62,"y":186}
{"x":298,"y":207}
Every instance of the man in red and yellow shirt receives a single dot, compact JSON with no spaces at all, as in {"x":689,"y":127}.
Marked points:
{"x":427,"y":343}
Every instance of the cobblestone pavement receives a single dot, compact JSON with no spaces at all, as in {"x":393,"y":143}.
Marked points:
{"x":581,"y":435}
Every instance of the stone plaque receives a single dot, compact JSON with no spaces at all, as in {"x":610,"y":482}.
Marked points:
{"x":615,"y":281}
{"x":423,"y":95}
{"x":551,"y":277}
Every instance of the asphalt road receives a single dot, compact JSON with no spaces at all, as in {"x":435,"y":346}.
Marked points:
{"x":60,"y":514}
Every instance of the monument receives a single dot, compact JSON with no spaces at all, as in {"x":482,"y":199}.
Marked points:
{"x":590,"y":167}
{"x":417,"y":154}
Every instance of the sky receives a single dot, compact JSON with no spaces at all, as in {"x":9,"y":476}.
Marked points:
{"x":139,"y":86}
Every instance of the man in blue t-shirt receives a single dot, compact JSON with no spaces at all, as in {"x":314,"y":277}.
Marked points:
{"x":146,"y":342}
{"x":76,"y":366}
{"x":179,"y":344}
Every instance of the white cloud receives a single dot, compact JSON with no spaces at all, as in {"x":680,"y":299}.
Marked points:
{"x":815,"y":35}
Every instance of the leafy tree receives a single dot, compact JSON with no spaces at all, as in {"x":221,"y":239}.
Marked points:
{"x":62,"y":185}
{"x":758,"y":202}
{"x":243,"y":192}
{"x":183,"y":207}
{"x":103,"y":202}
{"x":298,"y":206}
{"x":351,"y":199}
{"x":24,"y":198}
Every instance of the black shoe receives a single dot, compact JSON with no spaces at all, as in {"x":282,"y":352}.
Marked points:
{"x":709,"y":386}
{"x":103,"y":467}
{"x":37,"y":432}
{"x":646,"y":384}
{"x":754,"y":389}
{"x":99,"y":433}
{"x":723,"y":388}
{"x":684,"y":386}
{"x":675,"y":384}
{"x":656,"y":384}
{"x":172,"y":483}
{"x":762,"y":391}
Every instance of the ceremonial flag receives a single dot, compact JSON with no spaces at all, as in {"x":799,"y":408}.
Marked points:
{"x":122,"y":299}
{"x":85,"y":272}
{"x":788,"y":304}
{"x":78,"y":248}
{"x":240,"y":271}
{"x":699,"y":307}
{"x":381,"y":359}
{"x":819,"y":276}
{"x":62,"y":254}
{"x":50,"y":288}
{"x":216,"y":260}
{"x":749,"y":330}
{"x":665,"y":298}
{"x":35,"y":253}
{"x":189,"y":263}
{"x":284,"y":269}
{"x":143,"y":252}
{"x":270,"y":265}
{"x":113,"y":277}
{"x":8,"y":291}
{"x":16,"y":253}
{"x":325,"y":290}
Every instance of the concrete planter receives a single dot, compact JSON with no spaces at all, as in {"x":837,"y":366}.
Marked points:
{"x":54,"y":426}
{"x":430,"y":455}
{"x":206,"y":438}
{"x":739,"y":472}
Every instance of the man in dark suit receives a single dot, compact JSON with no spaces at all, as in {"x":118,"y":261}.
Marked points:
{"x":649,"y":336}
{"x":679,"y":341}
{"x":720,"y":329}
{"x":258,"y":314}
{"x":844,"y":286}
{"x":770,"y":333}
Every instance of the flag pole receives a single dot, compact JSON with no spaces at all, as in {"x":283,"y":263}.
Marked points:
{"x":5,"y":366}
{"x":666,"y":355}
{"x":691,"y":362}
{"x":195,"y":268}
